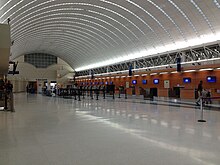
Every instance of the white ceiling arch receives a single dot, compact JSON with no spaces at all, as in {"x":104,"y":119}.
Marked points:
{"x":94,"y":33}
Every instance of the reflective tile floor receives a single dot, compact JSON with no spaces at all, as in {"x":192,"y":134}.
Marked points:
{"x":57,"y":131}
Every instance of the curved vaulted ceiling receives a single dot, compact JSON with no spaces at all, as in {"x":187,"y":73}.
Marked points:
{"x":93,"y":33}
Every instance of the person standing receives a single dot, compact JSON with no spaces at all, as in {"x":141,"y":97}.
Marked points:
{"x":8,"y":87}
{"x":199,"y":90}
{"x":9,"y":91}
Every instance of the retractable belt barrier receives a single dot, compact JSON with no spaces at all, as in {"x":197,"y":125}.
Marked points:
{"x":204,"y":100}
{"x":89,"y":92}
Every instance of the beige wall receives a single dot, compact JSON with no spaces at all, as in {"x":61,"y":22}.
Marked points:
{"x":31,"y":73}
{"x":19,"y":85}
{"x":5,"y":44}
{"x":28,"y":72}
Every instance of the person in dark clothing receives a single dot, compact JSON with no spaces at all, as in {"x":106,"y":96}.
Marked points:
{"x":9,"y":96}
{"x":8,"y":87}
{"x":208,"y":97}
{"x":199,"y":89}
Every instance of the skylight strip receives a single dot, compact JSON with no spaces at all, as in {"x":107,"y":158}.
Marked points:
{"x":60,"y":44}
{"x":38,"y":34}
{"x":21,"y":8}
{"x":141,"y":8}
{"x":79,"y":27}
{"x":26,"y":11}
{"x":185,"y":16}
{"x":22,"y":24}
{"x":66,"y":28}
{"x":104,"y":15}
{"x":11,"y":8}
{"x":203,"y":15}
{"x":140,"y":19}
{"x":101,"y":47}
{"x":115,"y":26}
{"x":181,"y":32}
{"x":217,"y":3}
{"x":5,"y":4}
{"x":26,"y":25}
{"x":60,"y":34}
{"x":38,"y":11}
{"x":68,"y":38}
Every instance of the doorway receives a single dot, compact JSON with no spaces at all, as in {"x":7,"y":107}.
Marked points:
{"x":133,"y":90}
{"x":153,"y":92}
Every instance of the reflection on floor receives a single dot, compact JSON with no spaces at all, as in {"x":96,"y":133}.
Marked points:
{"x":57,"y":131}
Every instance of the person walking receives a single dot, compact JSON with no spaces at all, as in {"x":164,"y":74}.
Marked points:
{"x":199,"y":89}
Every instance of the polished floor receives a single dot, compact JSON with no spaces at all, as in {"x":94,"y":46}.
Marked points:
{"x":57,"y":131}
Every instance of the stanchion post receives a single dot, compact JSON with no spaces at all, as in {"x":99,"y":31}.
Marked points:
{"x":79,"y":95}
{"x":119,"y":96}
{"x":91,"y":94}
{"x":12,"y":102}
{"x":6,"y":101}
{"x":126,"y":94}
{"x":75,"y":94}
{"x":201,"y":108}
{"x":113,"y":94}
{"x":103,"y":93}
{"x":83,"y":93}
{"x":97,"y":94}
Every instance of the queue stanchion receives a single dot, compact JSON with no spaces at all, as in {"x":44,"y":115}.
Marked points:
{"x":97,"y":94}
{"x":88,"y":91}
{"x":75,"y":94}
{"x":12,"y":102}
{"x":119,"y":95}
{"x":83,"y":93}
{"x":79,"y":95}
{"x":104,"y":92}
{"x":126,"y":94}
{"x":113,"y":94}
{"x":6,"y":102}
{"x":201,"y":108}
{"x":91,"y":93}
{"x":69,"y":92}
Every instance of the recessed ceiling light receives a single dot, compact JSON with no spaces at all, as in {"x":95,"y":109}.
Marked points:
{"x":189,"y":70}
{"x":204,"y":69}
{"x":153,"y":74}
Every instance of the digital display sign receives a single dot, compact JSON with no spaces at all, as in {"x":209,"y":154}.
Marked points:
{"x":156,"y":81}
{"x":134,"y":82}
{"x":211,"y":79}
{"x":187,"y":80}
{"x":144,"y":81}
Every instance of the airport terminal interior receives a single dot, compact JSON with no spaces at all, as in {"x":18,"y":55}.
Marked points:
{"x":109,"y":82}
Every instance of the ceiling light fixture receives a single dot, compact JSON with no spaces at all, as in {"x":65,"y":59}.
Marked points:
{"x":206,"y":69}
{"x":189,"y":70}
